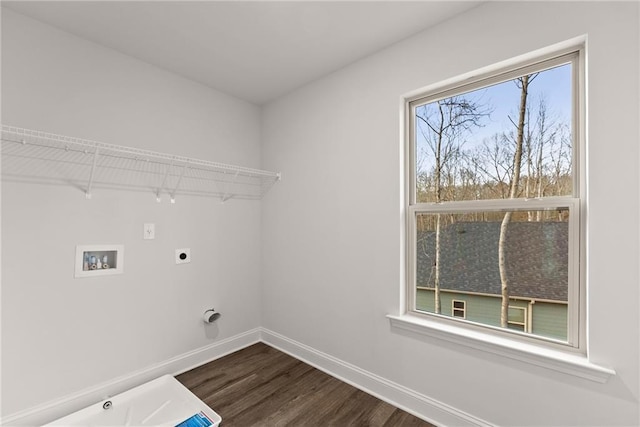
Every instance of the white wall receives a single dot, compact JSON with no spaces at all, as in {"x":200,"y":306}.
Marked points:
{"x":61,"y":335}
{"x":331,"y":229}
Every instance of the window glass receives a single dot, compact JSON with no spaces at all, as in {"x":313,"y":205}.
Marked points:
{"x":458,"y":308}
{"x":494,"y":208}
{"x":467,"y":263}
{"x":466,"y":144}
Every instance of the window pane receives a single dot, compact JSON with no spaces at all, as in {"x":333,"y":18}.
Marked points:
{"x":458,"y":257}
{"x":468,"y":146}
{"x":516,"y":327}
{"x":516,"y":315}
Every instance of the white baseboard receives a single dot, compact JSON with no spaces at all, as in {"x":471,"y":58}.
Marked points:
{"x":49,"y":411}
{"x":402,"y":397}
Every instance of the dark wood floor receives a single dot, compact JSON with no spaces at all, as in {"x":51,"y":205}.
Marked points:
{"x":261,"y":386}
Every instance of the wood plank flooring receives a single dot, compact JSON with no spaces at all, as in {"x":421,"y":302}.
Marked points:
{"x":261,"y":386}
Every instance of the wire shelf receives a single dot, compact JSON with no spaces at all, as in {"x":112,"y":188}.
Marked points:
{"x":41,"y":157}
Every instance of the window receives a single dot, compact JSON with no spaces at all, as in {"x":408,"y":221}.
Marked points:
{"x":494,"y":196}
{"x":458,"y":308}
{"x":518,"y":318}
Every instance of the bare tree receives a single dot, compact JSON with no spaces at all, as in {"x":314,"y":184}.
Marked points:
{"x":494,"y":161}
{"x":443,"y":124}
{"x":523,"y":83}
{"x":560,"y":162}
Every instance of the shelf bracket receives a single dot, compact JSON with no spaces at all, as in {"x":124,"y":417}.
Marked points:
{"x":87,"y":193}
{"x":226,"y":192}
{"x":173,"y":194}
{"x":164,"y":181}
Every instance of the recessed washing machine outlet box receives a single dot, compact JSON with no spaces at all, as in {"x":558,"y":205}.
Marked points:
{"x":183,"y":256}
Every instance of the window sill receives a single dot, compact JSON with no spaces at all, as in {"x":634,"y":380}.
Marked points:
{"x":571,"y":364}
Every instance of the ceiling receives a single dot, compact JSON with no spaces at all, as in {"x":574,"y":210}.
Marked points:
{"x":257,"y":50}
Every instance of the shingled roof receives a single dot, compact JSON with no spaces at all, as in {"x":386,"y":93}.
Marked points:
{"x":536,"y":258}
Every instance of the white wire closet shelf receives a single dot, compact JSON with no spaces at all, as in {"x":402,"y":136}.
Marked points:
{"x":41,"y":157}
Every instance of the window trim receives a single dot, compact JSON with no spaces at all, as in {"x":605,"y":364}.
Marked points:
{"x":538,"y":353}
{"x":568,"y":363}
{"x":525,"y":323}
{"x":574,"y":343}
{"x":463,"y":309}
{"x":575,"y":306}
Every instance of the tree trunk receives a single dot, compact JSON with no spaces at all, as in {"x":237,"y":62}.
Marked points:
{"x":539,"y":172}
{"x":437,"y":308}
{"x":438,"y":173}
{"x":504,"y":284}
{"x":513,"y":192}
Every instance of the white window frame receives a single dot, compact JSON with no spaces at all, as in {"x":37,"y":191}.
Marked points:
{"x":576,"y":303}
{"x":525,"y":322}
{"x":569,"y":357}
{"x":463,"y":309}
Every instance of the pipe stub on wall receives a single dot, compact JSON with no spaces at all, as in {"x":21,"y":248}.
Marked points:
{"x":210,"y":316}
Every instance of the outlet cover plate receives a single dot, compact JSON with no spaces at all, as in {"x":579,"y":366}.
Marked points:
{"x":149,"y":231}
{"x":183,"y":256}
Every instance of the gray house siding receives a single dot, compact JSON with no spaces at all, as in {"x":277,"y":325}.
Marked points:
{"x":549,"y":319}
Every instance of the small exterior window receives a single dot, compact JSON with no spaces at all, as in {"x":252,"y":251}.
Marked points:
{"x":458,"y":308}
{"x":494,"y":199}
{"x":518,"y":318}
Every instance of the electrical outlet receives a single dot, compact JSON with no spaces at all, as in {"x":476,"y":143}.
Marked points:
{"x":183,"y":256}
{"x":149,"y":231}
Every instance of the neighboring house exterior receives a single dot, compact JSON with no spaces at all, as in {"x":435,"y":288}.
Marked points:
{"x":537,"y":268}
